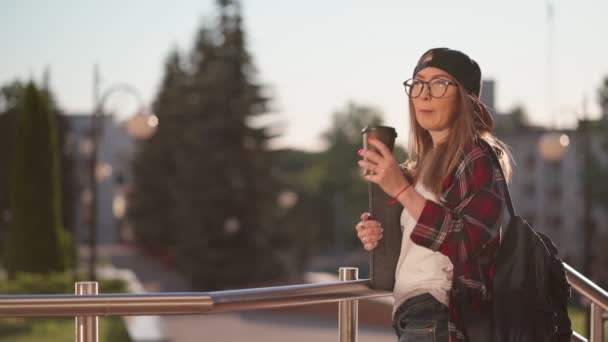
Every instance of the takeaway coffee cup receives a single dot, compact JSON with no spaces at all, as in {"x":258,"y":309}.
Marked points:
{"x":385,"y":134}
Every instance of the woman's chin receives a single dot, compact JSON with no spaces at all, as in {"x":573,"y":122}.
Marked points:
{"x":426,"y":125}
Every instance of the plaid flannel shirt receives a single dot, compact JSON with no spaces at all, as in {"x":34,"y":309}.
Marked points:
{"x":465,"y":226}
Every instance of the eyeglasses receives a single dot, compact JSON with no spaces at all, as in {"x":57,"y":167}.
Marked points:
{"x":437,"y":87}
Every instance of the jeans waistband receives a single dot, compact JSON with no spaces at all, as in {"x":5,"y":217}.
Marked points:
{"x":415,"y":300}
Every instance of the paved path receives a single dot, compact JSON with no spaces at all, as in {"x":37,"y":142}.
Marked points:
{"x":293,"y":325}
{"x":258,"y":327}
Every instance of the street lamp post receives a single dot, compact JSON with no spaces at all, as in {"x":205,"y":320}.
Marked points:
{"x":142,"y":125}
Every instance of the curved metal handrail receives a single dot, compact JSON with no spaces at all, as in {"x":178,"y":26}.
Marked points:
{"x":222,"y":301}
{"x":576,"y":337}
{"x":184,"y":303}
{"x":586,"y":287}
{"x":599,"y":303}
{"x":243,"y":300}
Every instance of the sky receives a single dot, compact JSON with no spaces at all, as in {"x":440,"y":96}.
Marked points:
{"x":315,"y":56}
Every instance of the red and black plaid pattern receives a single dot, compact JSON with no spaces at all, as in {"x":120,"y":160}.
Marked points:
{"x":465,"y":226}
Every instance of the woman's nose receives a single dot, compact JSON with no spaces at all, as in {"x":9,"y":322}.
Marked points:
{"x":426,"y":92}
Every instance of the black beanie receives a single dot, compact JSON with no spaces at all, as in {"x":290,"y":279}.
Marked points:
{"x":460,"y":66}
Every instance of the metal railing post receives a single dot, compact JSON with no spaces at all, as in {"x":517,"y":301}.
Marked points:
{"x":596,"y":331}
{"x":87,"y":326}
{"x":348,"y":314}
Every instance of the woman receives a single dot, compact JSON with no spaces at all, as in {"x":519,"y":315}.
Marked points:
{"x":453,"y":208}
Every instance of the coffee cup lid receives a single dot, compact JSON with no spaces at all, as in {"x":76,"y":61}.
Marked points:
{"x":367,"y":129}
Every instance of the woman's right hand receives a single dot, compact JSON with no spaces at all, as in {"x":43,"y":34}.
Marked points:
{"x":369,"y":232}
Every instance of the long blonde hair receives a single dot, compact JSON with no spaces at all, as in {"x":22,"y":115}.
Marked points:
{"x":430,"y":164}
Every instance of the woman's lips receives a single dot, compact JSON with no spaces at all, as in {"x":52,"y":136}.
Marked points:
{"x":425,"y":111}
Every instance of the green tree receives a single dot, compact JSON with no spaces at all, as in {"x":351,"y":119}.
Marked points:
{"x":36,"y":241}
{"x":67,"y":151}
{"x":227,"y":221}
{"x":301,"y":207}
{"x":329,"y":191}
{"x":220,"y":194}
{"x":331,"y":194}
{"x":342,"y":187}
{"x":154,"y":167}
{"x":9,"y":97}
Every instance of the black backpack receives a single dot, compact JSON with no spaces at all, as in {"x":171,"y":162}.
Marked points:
{"x":530,"y":291}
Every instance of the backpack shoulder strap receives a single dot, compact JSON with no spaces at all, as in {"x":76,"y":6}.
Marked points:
{"x":497,"y":162}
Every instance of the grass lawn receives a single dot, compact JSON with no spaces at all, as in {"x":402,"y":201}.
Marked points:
{"x":111,"y":329}
{"x":577,"y":316}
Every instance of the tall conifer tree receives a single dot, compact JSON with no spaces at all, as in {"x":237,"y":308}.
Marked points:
{"x":36,"y":240}
{"x":215,"y":174}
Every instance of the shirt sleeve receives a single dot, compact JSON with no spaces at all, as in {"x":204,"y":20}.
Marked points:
{"x":462,"y":231}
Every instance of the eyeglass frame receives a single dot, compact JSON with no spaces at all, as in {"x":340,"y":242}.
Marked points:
{"x":428,"y":85}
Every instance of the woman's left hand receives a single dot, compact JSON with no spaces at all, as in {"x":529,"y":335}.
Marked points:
{"x":384,"y":169}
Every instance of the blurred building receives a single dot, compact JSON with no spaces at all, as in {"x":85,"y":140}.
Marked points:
{"x":548,"y":187}
{"x":487,"y":93}
{"x":113,"y":172}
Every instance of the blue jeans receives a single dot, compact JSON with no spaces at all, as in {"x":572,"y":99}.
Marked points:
{"x":422,"y":319}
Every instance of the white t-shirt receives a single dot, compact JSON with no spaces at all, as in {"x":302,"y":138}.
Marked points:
{"x":420,"y":270}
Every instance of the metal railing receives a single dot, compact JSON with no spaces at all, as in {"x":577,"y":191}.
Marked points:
{"x":87,"y":305}
{"x":598,"y":297}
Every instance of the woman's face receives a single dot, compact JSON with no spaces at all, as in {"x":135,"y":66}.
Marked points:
{"x":432,"y":113}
